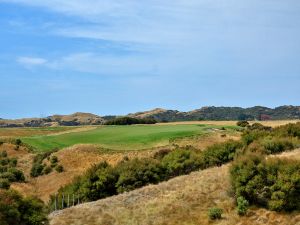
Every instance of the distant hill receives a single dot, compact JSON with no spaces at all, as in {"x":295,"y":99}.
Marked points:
{"x":164,"y":115}
{"x":75,"y":119}
{"x":223,"y":113}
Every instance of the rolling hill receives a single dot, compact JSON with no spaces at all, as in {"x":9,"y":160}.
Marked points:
{"x":164,"y":115}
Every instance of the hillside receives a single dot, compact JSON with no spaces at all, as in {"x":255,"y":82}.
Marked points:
{"x":75,"y":119}
{"x":182,"y":200}
{"x":224,"y":113}
{"x":163,"y":115}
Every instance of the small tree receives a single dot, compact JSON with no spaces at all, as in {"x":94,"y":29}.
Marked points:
{"x":215,"y":213}
{"x":242,"y":123}
{"x":242,"y":206}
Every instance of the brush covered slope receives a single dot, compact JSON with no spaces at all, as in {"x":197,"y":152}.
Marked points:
{"x":181,"y":200}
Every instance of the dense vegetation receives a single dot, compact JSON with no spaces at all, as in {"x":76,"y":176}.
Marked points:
{"x":271,"y":183}
{"x":130,"y":121}
{"x":17,"y":210}
{"x":14,"y":208}
{"x":104,"y":180}
{"x":8,"y":171}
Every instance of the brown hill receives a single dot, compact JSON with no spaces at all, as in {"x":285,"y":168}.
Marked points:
{"x":75,"y":119}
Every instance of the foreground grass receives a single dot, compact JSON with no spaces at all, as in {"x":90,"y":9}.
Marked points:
{"x":183,"y":200}
{"x":120,"y":137}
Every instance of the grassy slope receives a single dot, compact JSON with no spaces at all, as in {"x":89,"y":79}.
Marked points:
{"x":183,"y":200}
{"x":30,"y":131}
{"x":119,"y":137}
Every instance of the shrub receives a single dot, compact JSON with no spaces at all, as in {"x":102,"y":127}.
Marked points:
{"x":26,"y":211}
{"x":242,"y":206}
{"x":137,"y":173}
{"x":218,"y":154}
{"x":180,"y":162}
{"x":271,"y":183}
{"x":277,"y":145}
{"x":99,"y":182}
{"x":13,"y":162}
{"x":4,"y":162}
{"x":47,"y":170}
{"x":215,"y":213}
{"x":54,"y":159}
{"x":36,"y":170}
{"x":242,"y":123}
{"x":18,"y":174}
{"x":59,"y":168}
{"x":130,"y":121}
{"x":161,"y":153}
{"x":3,"y":154}
{"x":4,"y":183}
{"x":9,"y":176}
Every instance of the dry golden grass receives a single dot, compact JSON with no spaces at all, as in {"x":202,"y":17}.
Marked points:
{"x":271,"y":123}
{"x":22,"y":154}
{"x":75,"y":160}
{"x":203,"y":141}
{"x":22,"y":132}
{"x":183,"y":200}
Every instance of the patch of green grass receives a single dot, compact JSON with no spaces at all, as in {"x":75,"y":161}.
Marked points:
{"x":134,"y":137}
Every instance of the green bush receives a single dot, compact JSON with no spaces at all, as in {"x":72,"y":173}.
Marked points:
{"x":47,"y":170}
{"x":4,"y":184}
{"x":271,"y":183}
{"x":99,"y":182}
{"x":277,"y":145}
{"x":242,"y":123}
{"x":13,"y":162}
{"x":53,"y":159}
{"x":37,"y":170}
{"x":18,"y":174}
{"x":137,"y":173}
{"x":180,"y":162}
{"x":242,"y":206}
{"x":219,"y":154}
{"x":215,"y":213}
{"x":59,"y":168}
{"x":3,"y":154}
{"x":130,"y":121}
{"x":25,"y":211}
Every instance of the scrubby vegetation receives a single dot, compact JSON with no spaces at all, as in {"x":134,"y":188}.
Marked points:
{"x":16,"y":210}
{"x":104,"y":180}
{"x":8,"y":171}
{"x":215,"y":213}
{"x":39,"y":167}
{"x":130,"y":121}
{"x":271,"y":183}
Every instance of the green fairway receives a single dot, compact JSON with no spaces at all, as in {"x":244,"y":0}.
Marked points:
{"x":118,"y":137}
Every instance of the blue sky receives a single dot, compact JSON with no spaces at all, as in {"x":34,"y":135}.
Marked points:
{"x":121,"y":56}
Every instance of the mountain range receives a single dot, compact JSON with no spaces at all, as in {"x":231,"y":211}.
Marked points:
{"x":164,"y":115}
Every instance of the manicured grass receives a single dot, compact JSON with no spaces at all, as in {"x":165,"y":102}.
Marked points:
{"x":133,"y":137}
